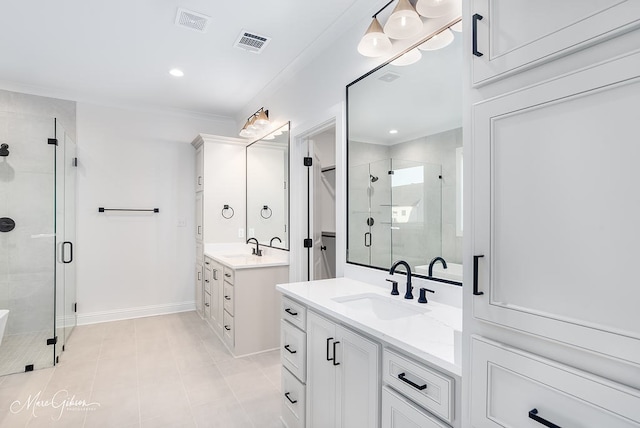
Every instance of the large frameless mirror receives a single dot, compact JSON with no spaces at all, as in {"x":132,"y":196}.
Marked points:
{"x":268,"y":189}
{"x":405,"y":165}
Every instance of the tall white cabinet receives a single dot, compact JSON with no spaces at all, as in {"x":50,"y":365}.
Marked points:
{"x":219,"y":181}
{"x":551,"y":322}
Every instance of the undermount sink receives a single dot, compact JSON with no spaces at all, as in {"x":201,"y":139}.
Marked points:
{"x":384,"y":308}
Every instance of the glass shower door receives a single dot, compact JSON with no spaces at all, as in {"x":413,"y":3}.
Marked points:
{"x":65,"y":237}
{"x":27,"y":242}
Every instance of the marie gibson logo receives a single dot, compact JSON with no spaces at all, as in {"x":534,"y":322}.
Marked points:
{"x":61,"y":401}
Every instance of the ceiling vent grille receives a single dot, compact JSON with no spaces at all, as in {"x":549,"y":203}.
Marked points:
{"x":389,"y":77}
{"x":192,"y":20}
{"x":252,"y":42}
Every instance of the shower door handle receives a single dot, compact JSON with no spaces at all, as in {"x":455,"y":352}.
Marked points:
{"x":70,"y":252}
{"x":367,"y":243}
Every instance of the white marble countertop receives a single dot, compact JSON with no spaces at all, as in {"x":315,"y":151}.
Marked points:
{"x":428,"y":335}
{"x":241,"y":260}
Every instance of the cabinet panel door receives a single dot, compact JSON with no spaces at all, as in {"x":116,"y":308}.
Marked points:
{"x":199,"y":224}
{"x":216,"y":296}
{"x":398,"y":412}
{"x":507,"y":384}
{"x":516,"y":34}
{"x":556,"y":209}
{"x":321,"y":373}
{"x":199,"y":289}
{"x":199,"y":169}
{"x":358,"y":380}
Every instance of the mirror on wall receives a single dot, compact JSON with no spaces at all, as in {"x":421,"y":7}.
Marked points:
{"x":268,"y":189}
{"x":404,"y":175}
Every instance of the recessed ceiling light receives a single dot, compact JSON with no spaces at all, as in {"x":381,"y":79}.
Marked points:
{"x":393,"y":131}
{"x":176,"y":72}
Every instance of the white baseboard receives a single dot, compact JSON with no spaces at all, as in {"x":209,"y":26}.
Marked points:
{"x":139,"y":312}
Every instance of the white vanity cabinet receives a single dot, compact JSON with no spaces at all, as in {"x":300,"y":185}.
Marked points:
{"x":245,"y":307}
{"x":516,"y":34}
{"x":550,"y":310}
{"x":343,"y":376}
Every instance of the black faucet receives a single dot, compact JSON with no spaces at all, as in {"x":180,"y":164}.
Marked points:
{"x":436,"y":259}
{"x":255,"y":251}
{"x":407,"y":294}
{"x":271,"y":242}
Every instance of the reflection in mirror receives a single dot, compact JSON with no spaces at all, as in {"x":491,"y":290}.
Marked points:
{"x":268,"y":189}
{"x":405,"y":165}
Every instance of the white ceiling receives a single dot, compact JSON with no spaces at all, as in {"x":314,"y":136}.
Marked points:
{"x":120,"y":51}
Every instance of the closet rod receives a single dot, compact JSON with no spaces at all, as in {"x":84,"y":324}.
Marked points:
{"x":102,"y":209}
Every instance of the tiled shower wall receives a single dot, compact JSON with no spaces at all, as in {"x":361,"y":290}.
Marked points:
{"x":27,"y":195}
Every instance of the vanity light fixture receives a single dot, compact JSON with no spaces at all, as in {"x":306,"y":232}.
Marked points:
{"x":437,"y":8}
{"x":408,"y":58}
{"x":255,"y":123}
{"x":404,"y":21}
{"x":374,"y":43}
{"x":438,"y":41}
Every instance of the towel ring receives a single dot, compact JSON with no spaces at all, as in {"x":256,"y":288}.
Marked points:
{"x":266,"y":209}
{"x":226,"y":208}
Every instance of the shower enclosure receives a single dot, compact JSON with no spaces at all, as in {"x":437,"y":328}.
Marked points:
{"x":394,"y":212}
{"x":37,"y":232}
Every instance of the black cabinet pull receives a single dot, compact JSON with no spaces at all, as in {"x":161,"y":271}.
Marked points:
{"x":228,"y":275}
{"x":335,"y":362}
{"x":227,"y":298}
{"x":206,"y":304}
{"x":367,"y":235}
{"x":474,"y":34}
{"x":402,"y":377}
{"x":290,"y":312}
{"x":329,"y":340}
{"x":206,"y":280}
{"x":287,"y":348}
{"x":533,"y":414}
{"x":206,"y":263}
{"x":226,"y":327}
{"x":475,"y":276}
{"x":215,"y":274}
{"x":70,"y":252}
{"x":286,"y":394}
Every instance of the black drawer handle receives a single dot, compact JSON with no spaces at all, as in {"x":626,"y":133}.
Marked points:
{"x":206,"y":263}
{"x":474,"y":33}
{"x":402,"y":377}
{"x":329,"y":340}
{"x":335,"y":362}
{"x":227,"y":298}
{"x":70,"y":254}
{"x":206,"y":280}
{"x":287,"y":348}
{"x":226,"y":327}
{"x":533,"y":414}
{"x":228,"y":275}
{"x":475,"y":276}
{"x":206,"y":304}
{"x":286,"y":394}
{"x":290,"y":312}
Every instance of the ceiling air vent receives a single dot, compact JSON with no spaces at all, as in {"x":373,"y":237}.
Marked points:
{"x":252,"y":42}
{"x":389,"y":77}
{"x":192,"y":20}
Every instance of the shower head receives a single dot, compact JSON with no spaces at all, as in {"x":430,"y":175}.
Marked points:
{"x":4,"y":150}
{"x":373,"y":178}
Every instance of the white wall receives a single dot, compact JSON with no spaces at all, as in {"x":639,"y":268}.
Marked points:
{"x":310,"y":97}
{"x":136,"y":264}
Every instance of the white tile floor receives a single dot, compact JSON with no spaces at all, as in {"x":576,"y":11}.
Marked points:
{"x":165,"y":371}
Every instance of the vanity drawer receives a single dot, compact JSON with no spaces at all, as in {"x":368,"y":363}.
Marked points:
{"x":294,"y":312}
{"x":511,"y":387}
{"x":227,"y":329}
{"x":207,"y":306}
{"x":293,"y":401}
{"x":427,"y":387}
{"x":227,"y":298}
{"x":207,"y":279}
{"x":398,"y":412}
{"x":229,"y":274}
{"x":294,"y":349}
